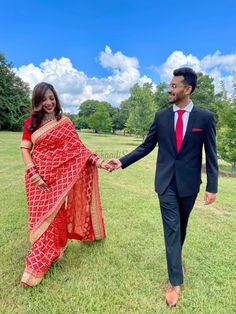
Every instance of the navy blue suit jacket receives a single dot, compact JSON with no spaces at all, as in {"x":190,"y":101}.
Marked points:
{"x":186,"y":164}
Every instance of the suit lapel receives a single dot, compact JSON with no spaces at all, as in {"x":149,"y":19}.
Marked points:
{"x":171,"y":127}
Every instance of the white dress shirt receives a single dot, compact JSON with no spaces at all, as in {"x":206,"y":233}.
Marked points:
{"x":187,"y":109}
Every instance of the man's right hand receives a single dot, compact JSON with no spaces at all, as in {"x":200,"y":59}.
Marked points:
{"x":113,"y":164}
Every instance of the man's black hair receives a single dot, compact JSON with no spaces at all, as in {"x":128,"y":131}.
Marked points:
{"x":190,"y":76}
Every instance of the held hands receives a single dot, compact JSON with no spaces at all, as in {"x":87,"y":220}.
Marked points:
{"x":114,"y":164}
{"x":111,"y":164}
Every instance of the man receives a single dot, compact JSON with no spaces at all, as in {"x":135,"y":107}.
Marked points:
{"x":181,"y":131}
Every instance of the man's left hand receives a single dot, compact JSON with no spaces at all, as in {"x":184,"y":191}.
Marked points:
{"x":209,"y":198}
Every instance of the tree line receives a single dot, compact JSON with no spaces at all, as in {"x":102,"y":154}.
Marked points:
{"x":133,"y":116}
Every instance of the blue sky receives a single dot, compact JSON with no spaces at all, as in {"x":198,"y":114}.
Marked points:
{"x":95,"y":47}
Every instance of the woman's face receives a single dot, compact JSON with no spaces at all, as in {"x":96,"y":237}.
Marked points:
{"x":49,"y":101}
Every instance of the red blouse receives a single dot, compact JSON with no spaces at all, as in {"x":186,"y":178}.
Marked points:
{"x":26,"y":136}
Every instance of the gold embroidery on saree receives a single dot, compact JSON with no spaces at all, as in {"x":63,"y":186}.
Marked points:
{"x":45,"y":128}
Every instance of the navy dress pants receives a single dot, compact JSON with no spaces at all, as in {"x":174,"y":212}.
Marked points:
{"x":175,"y":211}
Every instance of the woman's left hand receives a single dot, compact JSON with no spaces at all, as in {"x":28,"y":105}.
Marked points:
{"x":42,"y":185}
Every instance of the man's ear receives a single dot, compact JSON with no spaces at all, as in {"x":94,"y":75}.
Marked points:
{"x":188,"y":89}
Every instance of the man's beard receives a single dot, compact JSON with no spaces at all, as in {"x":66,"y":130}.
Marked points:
{"x":171,"y":100}
{"x":175,"y":98}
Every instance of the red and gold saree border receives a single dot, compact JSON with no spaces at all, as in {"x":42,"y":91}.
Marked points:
{"x":31,"y":277}
{"x":46,"y":128}
{"x":97,"y":218}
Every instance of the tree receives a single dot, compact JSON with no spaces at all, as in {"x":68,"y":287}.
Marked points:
{"x":204,"y":94}
{"x":114,"y":113}
{"x":87,"y":108}
{"x":81,"y":123}
{"x":234,"y":85}
{"x":142,"y":109}
{"x":100,"y":120}
{"x":124,"y":111}
{"x":160,"y":96}
{"x":117,"y":120}
{"x":77,"y":121}
{"x":223,"y":90}
{"x":14,"y":98}
{"x":226,"y":140}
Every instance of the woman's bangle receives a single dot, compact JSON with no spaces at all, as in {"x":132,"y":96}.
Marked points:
{"x":29,"y":165}
{"x":99,"y":163}
{"x":35,"y":178}
{"x":31,"y":171}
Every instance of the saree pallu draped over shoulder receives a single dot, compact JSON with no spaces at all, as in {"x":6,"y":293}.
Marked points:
{"x":71,"y":208}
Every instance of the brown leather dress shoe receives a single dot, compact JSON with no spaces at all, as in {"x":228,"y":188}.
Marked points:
{"x":172,"y":295}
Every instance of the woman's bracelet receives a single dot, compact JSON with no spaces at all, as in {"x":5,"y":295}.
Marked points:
{"x":31,"y":171}
{"x":35,"y":178}
{"x":99,"y":163}
{"x":29,"y":165}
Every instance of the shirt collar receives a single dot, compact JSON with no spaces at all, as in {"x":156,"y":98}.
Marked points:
{"x":188,"y":108}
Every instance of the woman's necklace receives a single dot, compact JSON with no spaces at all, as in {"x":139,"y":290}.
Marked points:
{"x":48,"y":117}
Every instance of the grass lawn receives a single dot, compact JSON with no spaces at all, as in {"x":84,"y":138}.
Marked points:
{"x":126,"y":273}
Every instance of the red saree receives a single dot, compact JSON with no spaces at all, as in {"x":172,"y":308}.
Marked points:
{"x":71,"y":208}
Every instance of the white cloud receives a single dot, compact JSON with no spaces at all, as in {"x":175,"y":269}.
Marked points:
{"x":117,"y":60}
{"x":222,"y":62}
{"x":30,"y":74}
{"x":176,"y":60}
{"x":218,"y":66}
{"x":74,"y":87}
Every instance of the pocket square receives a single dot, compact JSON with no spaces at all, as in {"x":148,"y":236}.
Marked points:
{"x":196,"y":130}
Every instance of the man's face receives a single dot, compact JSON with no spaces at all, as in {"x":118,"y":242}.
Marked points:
{"x":177,"y":90}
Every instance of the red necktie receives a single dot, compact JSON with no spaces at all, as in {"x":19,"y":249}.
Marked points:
{"x":179,"y":129}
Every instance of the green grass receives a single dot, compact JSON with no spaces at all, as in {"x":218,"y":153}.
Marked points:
{"x":126,"y":273}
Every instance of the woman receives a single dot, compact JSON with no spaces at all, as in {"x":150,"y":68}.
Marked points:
{"x":61,"y":184}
